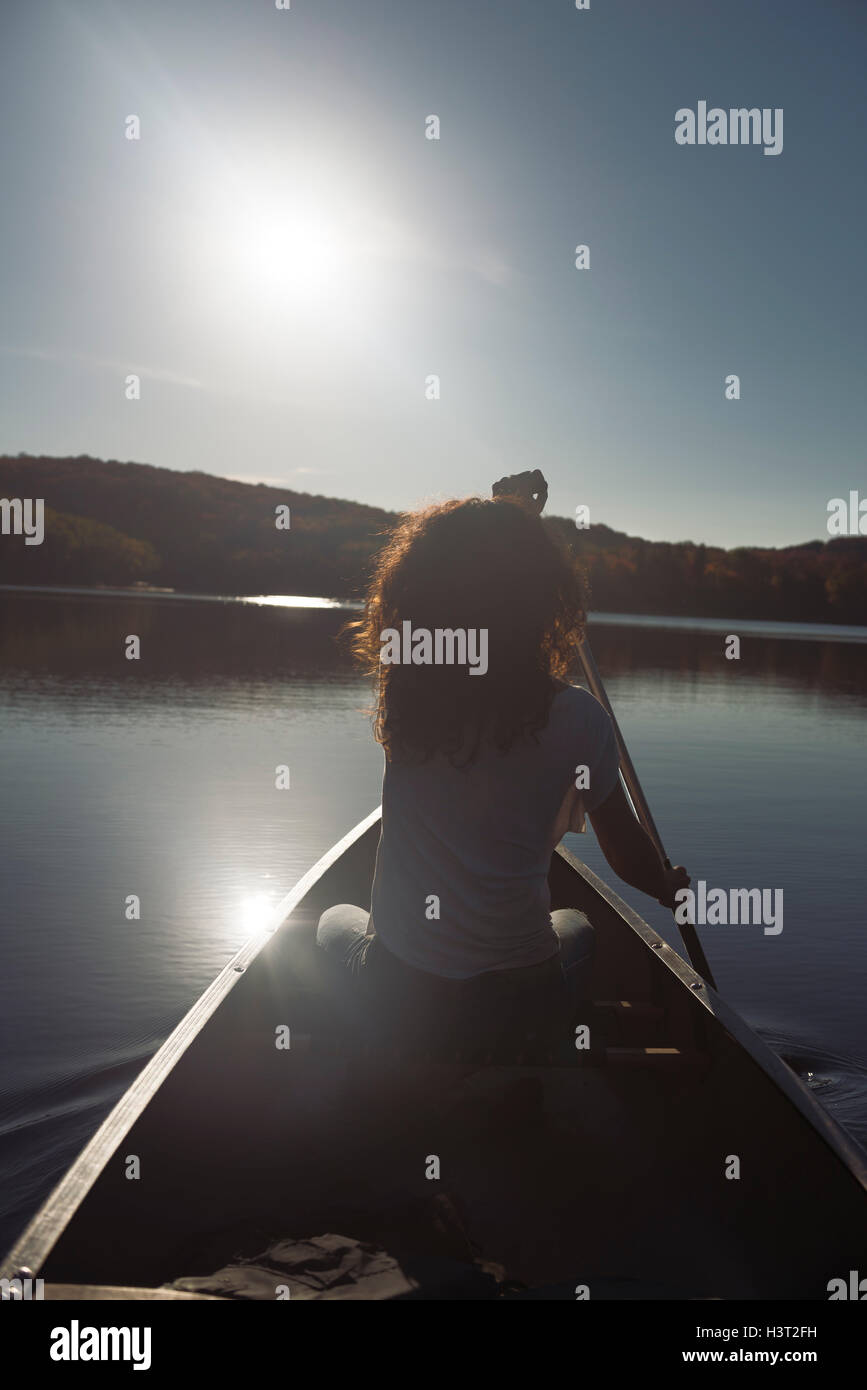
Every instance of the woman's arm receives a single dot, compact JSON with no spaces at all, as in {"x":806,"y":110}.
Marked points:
{"x":630,"y":850}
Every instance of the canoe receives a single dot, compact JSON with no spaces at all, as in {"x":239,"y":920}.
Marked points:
{"x":674,"y":1157}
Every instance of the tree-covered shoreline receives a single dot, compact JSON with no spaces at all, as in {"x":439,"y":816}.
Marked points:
{"x":119,"y":524}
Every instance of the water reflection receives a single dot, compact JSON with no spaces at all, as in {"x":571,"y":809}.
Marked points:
{"x":829,"y":668}
{"x":279,"y":636}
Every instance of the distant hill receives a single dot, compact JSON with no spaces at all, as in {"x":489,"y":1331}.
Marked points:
{"x":121,"y":523}
{"x":117,"y":523}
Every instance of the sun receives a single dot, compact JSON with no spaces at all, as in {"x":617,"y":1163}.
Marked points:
{"x":288,"y":250}
{"x":291,"y":257}
{"x":292,"y":250}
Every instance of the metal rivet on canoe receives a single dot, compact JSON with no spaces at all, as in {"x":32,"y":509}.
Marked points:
{"x":240,"y":968}
{"x":655,"y":945}
{"x":696,"y":984}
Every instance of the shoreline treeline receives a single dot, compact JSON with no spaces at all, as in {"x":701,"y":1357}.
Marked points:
{"x":115,"y":524}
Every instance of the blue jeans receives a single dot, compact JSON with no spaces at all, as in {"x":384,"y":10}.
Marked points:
{"x":535,"y":1000}
{"x":344,"y":932}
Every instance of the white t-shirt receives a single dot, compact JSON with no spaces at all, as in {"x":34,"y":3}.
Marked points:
{"x":461,"y":881}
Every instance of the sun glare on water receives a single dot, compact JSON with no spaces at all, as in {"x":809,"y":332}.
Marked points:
{"x":257,"y":915}
{"x":297,"y":601}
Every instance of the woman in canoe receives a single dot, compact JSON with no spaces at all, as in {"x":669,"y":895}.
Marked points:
{"x":470,"y":628}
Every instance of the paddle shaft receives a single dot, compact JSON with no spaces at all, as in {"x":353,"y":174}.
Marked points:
{"x":531,"y":489}
{"x":688,"y":932}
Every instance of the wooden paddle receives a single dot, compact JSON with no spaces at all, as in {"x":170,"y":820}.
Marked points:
{"x":532,"y":489}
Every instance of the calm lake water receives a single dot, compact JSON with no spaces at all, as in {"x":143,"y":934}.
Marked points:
{"x":156,"y":777}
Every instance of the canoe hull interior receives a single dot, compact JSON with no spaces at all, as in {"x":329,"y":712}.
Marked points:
{"x":610,"y":1169}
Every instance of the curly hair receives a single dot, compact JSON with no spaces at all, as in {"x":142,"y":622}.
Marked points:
{"x":471,"y":563}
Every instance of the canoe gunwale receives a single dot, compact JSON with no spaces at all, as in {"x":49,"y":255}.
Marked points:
{"x":846,"y":1149}
{"x":39,"y":1237}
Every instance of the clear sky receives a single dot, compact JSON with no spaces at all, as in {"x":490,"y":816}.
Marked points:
{"x":284,"y":258}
